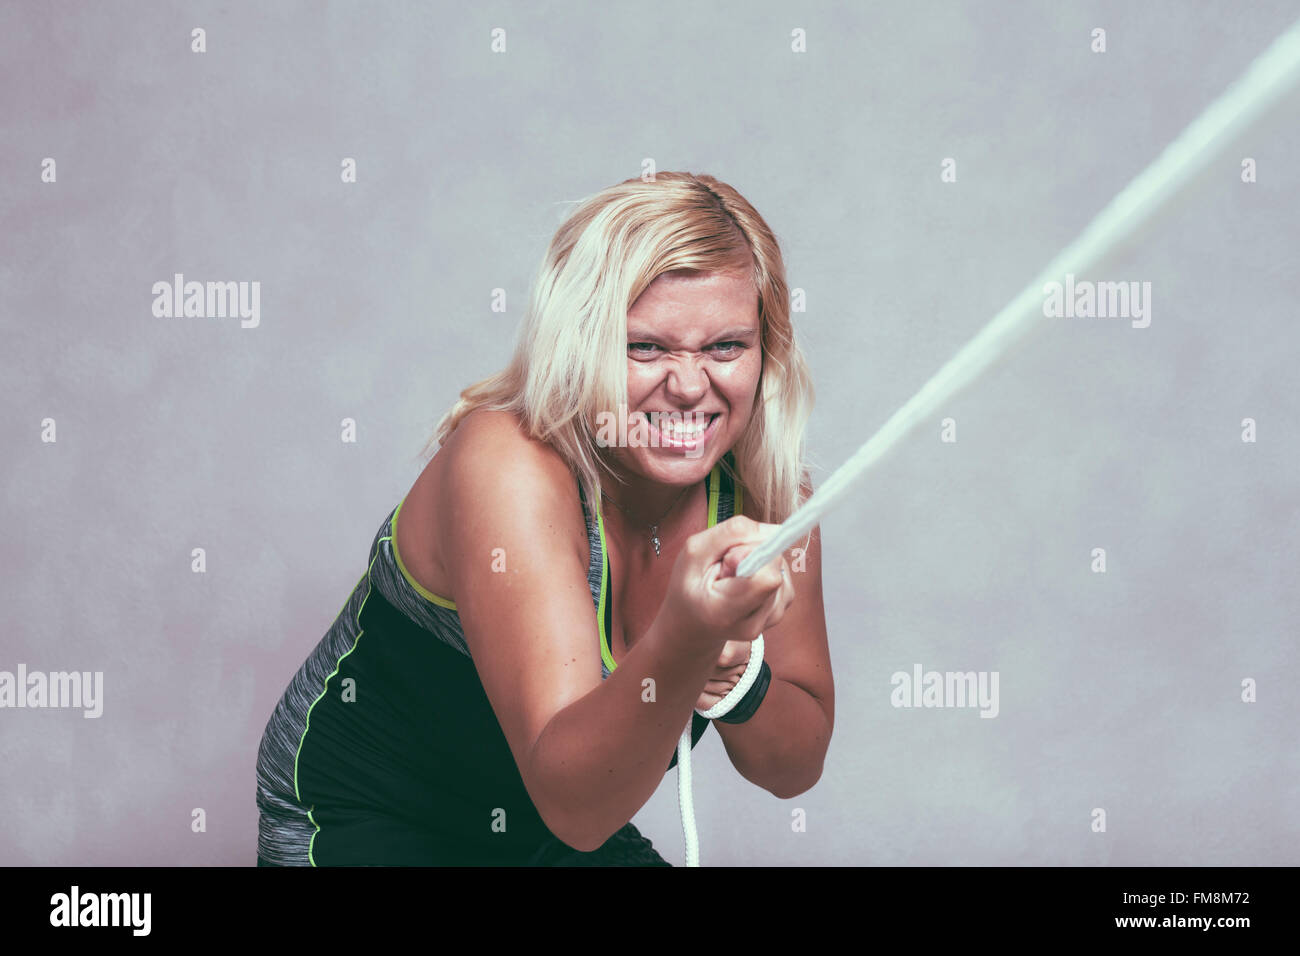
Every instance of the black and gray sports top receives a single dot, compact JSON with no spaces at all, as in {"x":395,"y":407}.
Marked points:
{"x":384,"y":748}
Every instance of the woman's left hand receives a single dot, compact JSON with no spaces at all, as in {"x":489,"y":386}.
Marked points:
{"x":727,"y":671}
{"x":734,"y":658}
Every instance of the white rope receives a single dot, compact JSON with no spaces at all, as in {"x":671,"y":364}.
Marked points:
{"x":1270,"y":76}
{"x":685,"y":799}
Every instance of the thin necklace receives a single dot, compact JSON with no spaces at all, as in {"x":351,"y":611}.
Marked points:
{"x":654,"y":528}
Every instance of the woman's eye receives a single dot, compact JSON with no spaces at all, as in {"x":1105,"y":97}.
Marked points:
{"x":723,"y":349}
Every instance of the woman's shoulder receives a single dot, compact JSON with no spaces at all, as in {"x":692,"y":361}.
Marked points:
{"x":501,"y":485}
{"x":487,"y":479}
{"x":492,"y":439}
{"x":491,"y":460}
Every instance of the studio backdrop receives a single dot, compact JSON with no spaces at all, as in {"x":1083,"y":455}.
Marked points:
{"x":1062,"y":612}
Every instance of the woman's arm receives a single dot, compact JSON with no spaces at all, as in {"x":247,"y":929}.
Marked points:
{"x":590,"y":752}
{"x":783,"y":746}
{"x":603,"y":756}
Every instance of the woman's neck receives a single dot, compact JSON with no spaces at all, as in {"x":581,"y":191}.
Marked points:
{"x":642,"y":502}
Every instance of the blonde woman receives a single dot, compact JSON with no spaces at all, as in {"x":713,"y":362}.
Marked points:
{"x":554,"y":598}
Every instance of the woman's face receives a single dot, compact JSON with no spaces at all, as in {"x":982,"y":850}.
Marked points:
{"x":694,"y":357}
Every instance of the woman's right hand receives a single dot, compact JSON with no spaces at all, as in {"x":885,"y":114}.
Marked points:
{"x":709,"y":609}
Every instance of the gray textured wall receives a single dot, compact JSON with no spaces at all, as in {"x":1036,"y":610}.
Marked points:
{"x":1119,"y":691}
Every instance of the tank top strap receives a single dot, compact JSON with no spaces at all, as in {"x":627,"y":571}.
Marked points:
{"x":596,"y":563}
{"x":730,"y":493}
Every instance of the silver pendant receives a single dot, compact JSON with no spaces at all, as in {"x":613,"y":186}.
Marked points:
{"x":654,"y":538}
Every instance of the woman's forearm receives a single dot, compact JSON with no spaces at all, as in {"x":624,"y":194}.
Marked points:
{"x":603,"y":756}
{"x":783,"y":746}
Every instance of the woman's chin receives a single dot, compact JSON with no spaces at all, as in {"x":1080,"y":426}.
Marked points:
{"x":672,"y":467}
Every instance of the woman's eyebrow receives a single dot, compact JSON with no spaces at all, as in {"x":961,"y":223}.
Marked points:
{"x":645,"y":335}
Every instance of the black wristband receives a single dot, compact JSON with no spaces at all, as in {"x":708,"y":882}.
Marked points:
{"x":746,"y":706}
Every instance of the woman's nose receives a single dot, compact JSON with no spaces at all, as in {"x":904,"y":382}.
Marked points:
{"x":687,"y":382}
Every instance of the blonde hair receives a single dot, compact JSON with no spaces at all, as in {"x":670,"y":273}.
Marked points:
{"x":570,"y":353}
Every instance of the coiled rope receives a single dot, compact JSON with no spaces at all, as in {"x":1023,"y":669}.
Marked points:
{"x":685,"y":799}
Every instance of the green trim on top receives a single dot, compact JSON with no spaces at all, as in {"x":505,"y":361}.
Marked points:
{"x":714,"y":482}
{"x":419,"y":588}
{"x":715,"y":487}
{"x":297,"y":789}
{"x":605,"y":654}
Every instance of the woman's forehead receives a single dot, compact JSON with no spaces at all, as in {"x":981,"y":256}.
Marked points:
{"x":689,"y":302}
